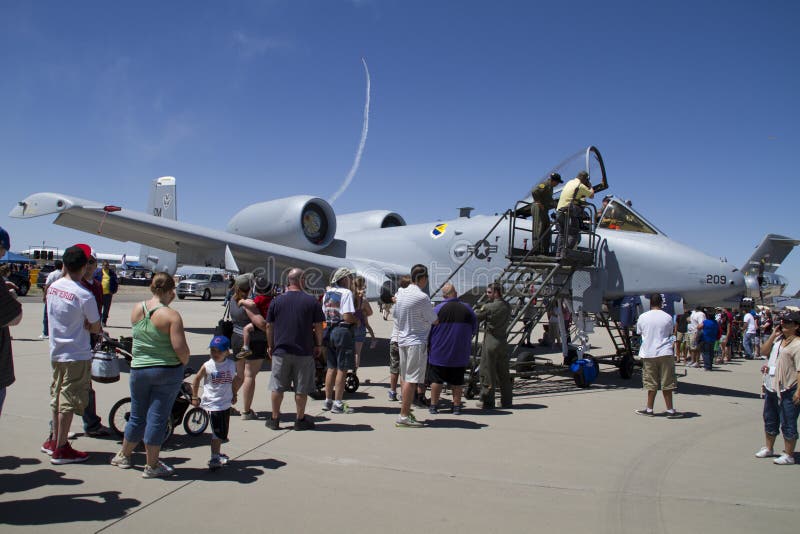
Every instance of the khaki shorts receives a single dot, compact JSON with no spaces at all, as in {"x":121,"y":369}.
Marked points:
{"x":414,"y":363}
{"x":69,"y":391}
{"x":692,"y":341}
{"x":659,"y":373}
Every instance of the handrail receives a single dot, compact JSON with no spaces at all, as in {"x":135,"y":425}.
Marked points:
{"x":472,"y":253}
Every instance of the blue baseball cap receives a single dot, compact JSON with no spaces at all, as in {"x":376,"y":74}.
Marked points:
{"x":220,"y":343}
{"x":5,"y":240}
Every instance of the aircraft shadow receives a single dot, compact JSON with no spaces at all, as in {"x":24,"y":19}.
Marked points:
{"x":555,"y":384}
{"x":102,"y":506}
{"x":687,"y":388}
{"x":35,"y":479}
{"x":341,"y":427}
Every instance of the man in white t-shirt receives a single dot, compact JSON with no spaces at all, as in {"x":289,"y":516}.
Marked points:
{"x":413,"y":317}
{"x":658,"y":362}
{"x":751,"y":327}
{"x":695,"y":323}
{"x":339,"y":311}
{"x":72,"y":315}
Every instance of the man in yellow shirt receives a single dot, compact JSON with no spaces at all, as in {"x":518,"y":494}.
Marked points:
{"x":570,"y":210}
{"x":108,"y":279}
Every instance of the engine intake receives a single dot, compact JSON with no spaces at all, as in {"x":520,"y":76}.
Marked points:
{"x":302,"y":222}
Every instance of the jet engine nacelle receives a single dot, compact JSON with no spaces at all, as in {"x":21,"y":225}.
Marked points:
{"x":302,"y":222}
{"x":769,"y":286}
{"x":368,"y":220}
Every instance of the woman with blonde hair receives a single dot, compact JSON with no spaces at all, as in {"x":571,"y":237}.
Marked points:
{"x":160,"y":353}
{"x":363,"y":313}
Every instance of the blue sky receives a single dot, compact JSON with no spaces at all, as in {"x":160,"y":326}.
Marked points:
{"x":693,"y":105}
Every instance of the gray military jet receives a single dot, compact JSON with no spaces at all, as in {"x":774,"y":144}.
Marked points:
{"x":632,"y":256}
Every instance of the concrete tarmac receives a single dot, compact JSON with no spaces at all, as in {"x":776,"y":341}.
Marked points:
{"x":563,"y":459}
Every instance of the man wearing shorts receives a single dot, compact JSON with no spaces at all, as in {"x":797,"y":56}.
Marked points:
{"x":655,"y":327}
{"x":451,"y":345}
{"x":413,"y":315}
{"x":340,"y":317}
{"x":294,"y":337}
{"x":72,"y":315}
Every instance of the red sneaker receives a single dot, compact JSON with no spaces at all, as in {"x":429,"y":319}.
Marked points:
{"x":48,"y":446}
{"x":67,"y":455}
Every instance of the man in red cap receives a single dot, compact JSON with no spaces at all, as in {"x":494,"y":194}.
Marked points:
{"x":72,"y":316}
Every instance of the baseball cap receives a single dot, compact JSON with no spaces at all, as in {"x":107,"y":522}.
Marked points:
{"x":87,"y":250}
{"x":556,"y":178}
{"x":243,"y":282}
{"x":5,"y":240}
{"x":791,"y":316}
{"x":220,"y":343}
{"x":340,"y":273}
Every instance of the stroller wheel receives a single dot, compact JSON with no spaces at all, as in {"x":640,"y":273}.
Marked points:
{"x":351,"y":382}
{"x":195,"y":422}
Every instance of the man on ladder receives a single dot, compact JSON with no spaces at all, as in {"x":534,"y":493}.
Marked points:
{"x":569,"y":211}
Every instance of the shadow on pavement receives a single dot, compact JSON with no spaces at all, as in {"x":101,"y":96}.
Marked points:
{"x":687,"y":388}
{"x":35,"y":479}
{"x":12,"y":462}
{"x":340,"y":427}
{"x":102,"y":506}
{"x":241,"y":471}
{"x":454,"y":423}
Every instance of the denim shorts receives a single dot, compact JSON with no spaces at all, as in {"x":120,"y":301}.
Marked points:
{"x":359,"y":334}
{"x":780,"y":411}
{"x":340,"y":349}
{"x":153,"y":392}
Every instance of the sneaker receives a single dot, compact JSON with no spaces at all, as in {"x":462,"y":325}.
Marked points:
{"x":214,"y":463}
{"x":99,"y":432}
{"x":784,"y":459}
{"x":327,"y":405}
{"x":764,"y":452}
{"x":48,"y":447}
{"x":457,"y":409}
{"x":122,"y":461}
{"x":341,"y":407}
{"x":224,"y":459}
{"x":392,"y":396}
{"x":646,"y":412}
{"x":305,"y":423}
{"x":72,"y":435}
{"x":408,"y":422}
{"x":163,"y":470}
{"x":44,"y":336}
{"x":249,"y":415}
{"x":433,"y":409}
{"x":244,"y":353}
{"x":273,"y":424}
{"x":67,"y":455}
{"x":420,"y":402}
{"x":674,"y":414}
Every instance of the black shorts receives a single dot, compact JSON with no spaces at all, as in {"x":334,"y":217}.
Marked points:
{"x":258,"y":344}
{"x":220,"y":421}
{"x":451,"y":375}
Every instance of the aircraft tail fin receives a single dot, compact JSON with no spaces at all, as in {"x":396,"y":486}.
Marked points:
{"x":769,"y":255}
{"x":161,"y":203}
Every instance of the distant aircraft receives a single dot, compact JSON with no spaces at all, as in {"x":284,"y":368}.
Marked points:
{"x":633,"y":257}
{"x":50,"y":253}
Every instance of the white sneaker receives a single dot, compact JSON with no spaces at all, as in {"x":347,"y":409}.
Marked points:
{"x":44,"y":336}
{"x":327,"y":405}
{"x":764,"y":452}
{"x":163,"y":470}
{"x":784,"y":459}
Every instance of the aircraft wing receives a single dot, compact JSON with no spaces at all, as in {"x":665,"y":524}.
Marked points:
{"x":772,"y":250}
{"x":193,"y":244}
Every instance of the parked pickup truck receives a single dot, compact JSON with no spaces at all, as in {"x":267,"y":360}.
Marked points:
{"x":203,"y":285}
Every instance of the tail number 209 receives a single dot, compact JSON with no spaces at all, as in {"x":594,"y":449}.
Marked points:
{"x":716,"y":279}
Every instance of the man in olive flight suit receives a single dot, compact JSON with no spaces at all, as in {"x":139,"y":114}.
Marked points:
{"x":543,"y":202}
{"x":494,"y":356}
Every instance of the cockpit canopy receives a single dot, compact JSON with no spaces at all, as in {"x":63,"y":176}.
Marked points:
{"x":618,"y":216}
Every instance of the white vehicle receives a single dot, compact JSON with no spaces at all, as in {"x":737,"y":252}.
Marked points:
{"x":203,"y":285}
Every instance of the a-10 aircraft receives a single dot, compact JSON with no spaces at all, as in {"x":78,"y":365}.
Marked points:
{"x":634,"y":256}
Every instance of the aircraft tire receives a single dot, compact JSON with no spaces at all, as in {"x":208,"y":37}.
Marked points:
{"x":626,"y":367}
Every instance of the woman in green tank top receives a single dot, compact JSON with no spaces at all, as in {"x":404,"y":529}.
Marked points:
{"x":159,"y":353}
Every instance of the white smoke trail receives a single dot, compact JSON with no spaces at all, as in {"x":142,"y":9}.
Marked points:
{"x":361,"y":144}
